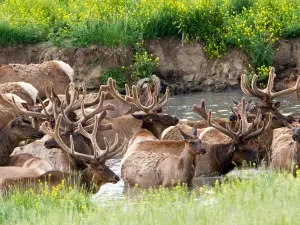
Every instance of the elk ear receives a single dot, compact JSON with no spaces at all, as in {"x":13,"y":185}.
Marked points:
{"x":195,"y":131}
{"x":231,"y":149}
{"x":288,"y":125}
{"x":14,"y":122}
{"x":140,"y":115}
{"x":184,"y":135}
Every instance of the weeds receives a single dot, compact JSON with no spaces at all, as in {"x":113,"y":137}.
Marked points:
{"x":235,"y":200}
{"x":252,"y":25}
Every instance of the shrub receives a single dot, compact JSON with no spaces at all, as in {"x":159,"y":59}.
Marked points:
{"x":116,"y":73}
{"x":144,"y":63}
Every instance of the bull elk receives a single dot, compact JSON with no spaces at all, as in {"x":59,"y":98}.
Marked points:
{"x":151,"y":169}
{"x":267,"y":96}
{"x":94,"y":172}
{"x":125,"y":125}
{"x":225,"y":145}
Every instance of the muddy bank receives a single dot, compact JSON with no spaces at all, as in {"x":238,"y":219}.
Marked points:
{"x":184,"y":67}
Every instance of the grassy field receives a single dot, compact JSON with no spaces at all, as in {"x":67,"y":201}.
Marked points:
{"x":265,"y":198}
{"x":252,"y":25}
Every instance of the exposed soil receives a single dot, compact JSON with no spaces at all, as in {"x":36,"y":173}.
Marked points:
{"x":183,"y":67}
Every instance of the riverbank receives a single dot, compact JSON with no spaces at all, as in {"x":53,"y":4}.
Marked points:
{"x":264,"y":198}
{"x":199,"y":45}
{"x":185,"y":68}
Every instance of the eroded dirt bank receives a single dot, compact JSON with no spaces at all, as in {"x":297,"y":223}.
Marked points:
{"x":183,"y":67}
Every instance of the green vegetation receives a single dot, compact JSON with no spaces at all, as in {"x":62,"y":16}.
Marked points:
{"x":143,"y":65}
{"x":252,"y":25}
{"x":265,"y":198}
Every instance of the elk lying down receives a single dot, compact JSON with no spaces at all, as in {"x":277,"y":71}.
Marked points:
{"x":19,"y":129}
{"x":286,"y":150}
{"x":91,"y":179}
{"x":27,"y":160}
{"x":93,"y":171}
{"x":151,"y":169}
{"x":39,"y":75}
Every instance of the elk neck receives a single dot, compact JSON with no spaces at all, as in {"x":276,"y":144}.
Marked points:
{"x":224,"y":160}
{"x":187,"y":162}
{"x":8,"y":143}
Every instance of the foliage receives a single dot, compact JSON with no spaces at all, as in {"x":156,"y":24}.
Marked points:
{"x":232,"y":200}
{"x":144,"y":63}
{"x":252,"y":25}
{"x":116,"y":73}
{"x":262,"y":73}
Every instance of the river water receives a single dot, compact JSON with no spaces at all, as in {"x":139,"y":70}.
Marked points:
{"x":180,"y":106}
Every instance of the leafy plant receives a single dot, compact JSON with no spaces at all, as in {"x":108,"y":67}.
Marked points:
{"x":116,"y":73}
{"x":144,"y":63}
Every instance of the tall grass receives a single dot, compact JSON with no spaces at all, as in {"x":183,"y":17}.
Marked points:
{"x":265,"y":198}
{"x":252,"y":25}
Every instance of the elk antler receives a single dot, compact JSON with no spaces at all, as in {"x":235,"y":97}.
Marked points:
{"x":86,"y":116}
{"x":246,"y":130}
{"x":19,"y":110}
{"x":267,"y":92}
{"x":99,"y":155}
{"x":151,"y":105}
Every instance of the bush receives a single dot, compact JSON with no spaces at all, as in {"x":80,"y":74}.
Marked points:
{"x":116,"y":73}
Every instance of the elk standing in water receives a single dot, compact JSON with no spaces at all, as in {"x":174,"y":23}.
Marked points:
{"x":149,"y":169}
{"x":286,"y":150}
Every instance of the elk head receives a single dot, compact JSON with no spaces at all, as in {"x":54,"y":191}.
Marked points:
{"x":267,"y":95}
{"x":94,"y":170}
{"x":146,"y":111}
{"x":296,"y":131}
{"x":193,"y":142}
{"x":239,"y":147}
{"x":21,"y":129}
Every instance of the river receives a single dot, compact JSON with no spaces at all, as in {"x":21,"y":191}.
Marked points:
{"x":180,"y":106}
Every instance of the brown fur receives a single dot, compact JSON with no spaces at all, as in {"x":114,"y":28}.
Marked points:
{"x":39,"y":75}
{"x":90,"y":178}
{"x":145,"y":166}
{"x":58,"y":158}
{"x":15,"y":132}
{"x":15,"y":88}
{"x":27,"y":160}
{"x":285,"y":150}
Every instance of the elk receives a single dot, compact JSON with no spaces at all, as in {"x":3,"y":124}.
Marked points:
{"x":60,"y":73}
{"x":173,"y":133}
{"x":56,"y":156}
{"x":288,"y":81}
{"x":94,"y":172}
{"x":218,"y":140}
{"x":22,"y":89}
{"x":151,"y":169}
{"x":27,"y":160}
{"x":266,"y":97}
{"x":125,"y":125}
{"x":286,"y":149}
{"x":17,"y":130}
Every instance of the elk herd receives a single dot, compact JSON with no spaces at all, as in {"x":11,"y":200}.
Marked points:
{"x":71,"y":134}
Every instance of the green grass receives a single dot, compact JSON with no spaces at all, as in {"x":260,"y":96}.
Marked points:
{"x":265,"y":198}
{"x":251,"y":25}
